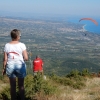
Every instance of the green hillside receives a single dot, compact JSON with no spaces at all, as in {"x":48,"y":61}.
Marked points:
{"x":64,"y":66}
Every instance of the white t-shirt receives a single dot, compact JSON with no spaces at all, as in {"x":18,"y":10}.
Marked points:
{"x":14,"y":52}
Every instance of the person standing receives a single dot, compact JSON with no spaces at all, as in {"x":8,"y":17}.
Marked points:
{"x":15,"y":55}
{"x":37,"y":65}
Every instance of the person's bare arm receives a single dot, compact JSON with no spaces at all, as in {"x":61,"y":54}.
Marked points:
{"x":25,"y":55}
{"x":4,"y":63}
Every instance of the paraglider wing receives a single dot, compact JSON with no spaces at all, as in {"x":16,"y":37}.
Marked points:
{"x":94,"y":21}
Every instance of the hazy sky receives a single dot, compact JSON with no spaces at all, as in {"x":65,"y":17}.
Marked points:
{"x":63,"y":7}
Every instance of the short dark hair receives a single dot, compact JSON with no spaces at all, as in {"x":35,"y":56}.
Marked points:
{"x":15,"y":33}
{"x":37,"y":56}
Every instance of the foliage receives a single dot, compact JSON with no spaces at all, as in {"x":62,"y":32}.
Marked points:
{"x":86,"y":72}
{"x":73,"y":80}
{"x":5,"y":94}
{"x":37,"y":87}
{"x":74,"y":73}
{"x":1,"y":77}
{"x":34,"y":86}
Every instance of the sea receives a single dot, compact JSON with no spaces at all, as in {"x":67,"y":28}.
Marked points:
{"x":88,"y":24}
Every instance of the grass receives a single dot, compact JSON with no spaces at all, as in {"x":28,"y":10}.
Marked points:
{"x":90,"y":91}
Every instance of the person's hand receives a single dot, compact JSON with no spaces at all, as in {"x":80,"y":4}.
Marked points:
{"x":3,"y":72}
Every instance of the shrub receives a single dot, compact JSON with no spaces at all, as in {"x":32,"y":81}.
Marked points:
{"x":78,"y":85}
{"x":73,"y":73}
{"x":36,"y":85}
{"x":86,"y":73}
{"x":5,"y":94}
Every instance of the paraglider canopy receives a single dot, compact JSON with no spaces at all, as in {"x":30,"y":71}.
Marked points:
{"x":94,"y":21}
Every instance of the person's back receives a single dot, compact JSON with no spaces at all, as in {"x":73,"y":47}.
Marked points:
{"x":14,"y":52}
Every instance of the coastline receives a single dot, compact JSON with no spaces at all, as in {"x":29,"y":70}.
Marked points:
{"x":84,"y":27}
{"x":91,"y":29}
{"x":88,"y":26}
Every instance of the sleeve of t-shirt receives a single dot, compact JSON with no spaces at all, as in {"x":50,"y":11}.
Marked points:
{"x":5,"y":48}
{"x":23,"y":46}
